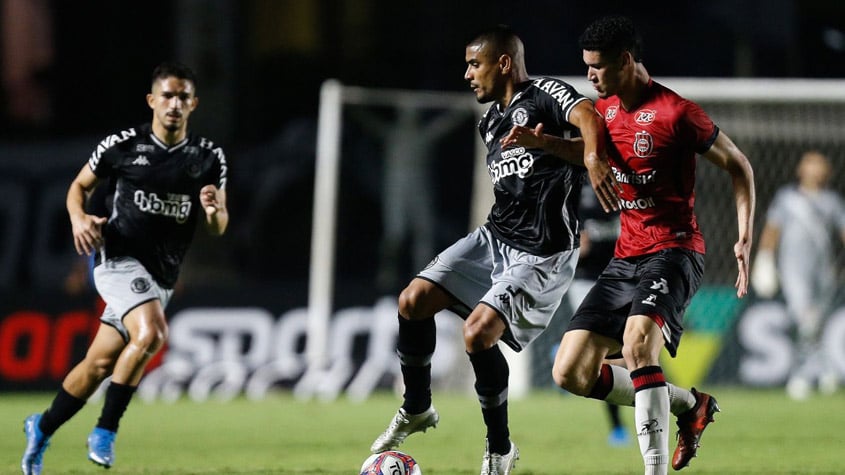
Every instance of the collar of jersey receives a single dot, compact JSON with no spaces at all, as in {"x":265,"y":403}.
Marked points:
{"x":163,"y":145}
{"x":513,"y":99}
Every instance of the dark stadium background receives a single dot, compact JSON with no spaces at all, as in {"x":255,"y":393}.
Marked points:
{"x":261,"y":64}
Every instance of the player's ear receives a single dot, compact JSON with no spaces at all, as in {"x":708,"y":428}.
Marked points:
{"x":150,"y":100}
{"x":505,"y":64}
{"x":627,"y":58}
{"x":195,"y":101}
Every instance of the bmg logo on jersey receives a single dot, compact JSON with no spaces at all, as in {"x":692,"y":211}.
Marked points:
{"x":175,"y":206}
{"x":514,"y":161}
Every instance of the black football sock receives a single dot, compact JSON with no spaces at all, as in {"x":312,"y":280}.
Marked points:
{"x":63,"y":408}
{"x":491,"y":385}
{"x":415,"y":348}
{"x":613,"y":411}
{"x":117,"y":399}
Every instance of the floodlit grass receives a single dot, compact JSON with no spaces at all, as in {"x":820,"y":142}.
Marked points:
{"x":758,"y":432}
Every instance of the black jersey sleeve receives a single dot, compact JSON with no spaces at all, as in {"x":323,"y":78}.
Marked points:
{"x":556,"y":99}
{"x":103,"y":158}
{"x":221,"y":170}
{"x":216,"y":169}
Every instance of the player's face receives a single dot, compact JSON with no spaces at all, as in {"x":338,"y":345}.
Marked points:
{"x":483,"y":73}
{"x":814,"y":171}
{"x":603,"y":72}
{"x":172,"y":101}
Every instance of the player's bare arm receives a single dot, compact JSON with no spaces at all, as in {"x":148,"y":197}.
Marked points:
{"x":87,"y":229}
{"x":571,"y":150}
{"x":213,"y":201}
{"x":589,"y":151}
{"x":594,"y":133}
{"x":725,"y":154}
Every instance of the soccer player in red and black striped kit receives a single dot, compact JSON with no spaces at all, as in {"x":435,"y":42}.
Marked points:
{"x":637,"y":304}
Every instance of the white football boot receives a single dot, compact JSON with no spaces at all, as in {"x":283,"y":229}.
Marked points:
{"x":403,"y":425}
{"x":497,"y":464}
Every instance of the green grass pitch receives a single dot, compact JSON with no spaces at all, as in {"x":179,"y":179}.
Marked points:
{"x":758,"y":432}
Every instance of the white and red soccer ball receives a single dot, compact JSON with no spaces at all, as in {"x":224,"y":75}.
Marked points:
{"x":390,"y":463}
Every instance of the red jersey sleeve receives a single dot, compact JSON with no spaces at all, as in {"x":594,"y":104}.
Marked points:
{"x":697,"y":126}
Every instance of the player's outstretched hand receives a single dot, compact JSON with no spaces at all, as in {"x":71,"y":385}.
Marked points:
{"x":525,"y":137}
{"x":87,"y":233}
{"x":742,"y":250}
{"x":604,"y":182}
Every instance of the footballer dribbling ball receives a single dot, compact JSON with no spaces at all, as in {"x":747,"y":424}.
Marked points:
{"x":390,"y":463}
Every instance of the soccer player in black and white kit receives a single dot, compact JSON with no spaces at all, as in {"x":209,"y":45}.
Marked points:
{"x":165,"y":180}
{"x":507,"y":277}
{"x":804,"y":221}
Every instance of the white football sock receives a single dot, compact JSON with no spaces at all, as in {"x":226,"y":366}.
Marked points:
{"x":651,"y":414}
{"x":622,"y":393}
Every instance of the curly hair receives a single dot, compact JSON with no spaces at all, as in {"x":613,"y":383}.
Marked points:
{"x":612,"y":35}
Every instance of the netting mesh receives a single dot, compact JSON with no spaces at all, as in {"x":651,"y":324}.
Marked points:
{"x":773,"y":136}
{"x":376,"y":250}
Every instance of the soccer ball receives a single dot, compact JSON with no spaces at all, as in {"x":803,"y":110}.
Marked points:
{"x":390,"y":463}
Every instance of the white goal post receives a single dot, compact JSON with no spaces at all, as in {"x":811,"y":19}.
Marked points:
{"x":333,"y":97}
{"x":751,"y":111}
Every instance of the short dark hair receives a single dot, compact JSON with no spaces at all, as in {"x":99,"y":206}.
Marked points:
{"x":169,"y":69}
{"x":500,"y":39}
{"x":613,"y":35}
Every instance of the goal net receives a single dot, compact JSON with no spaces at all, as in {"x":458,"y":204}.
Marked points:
{"x":401,"y":174}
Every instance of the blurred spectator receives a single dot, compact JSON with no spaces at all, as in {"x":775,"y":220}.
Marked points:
{"x":27,"y":58}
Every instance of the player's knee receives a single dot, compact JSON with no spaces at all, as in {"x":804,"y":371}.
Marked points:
{"x":151,"y":337}
{"x":570,"y":379}
{"x":407,"y":302}
{"x":414,"y":303}
{"x":476,"y":337}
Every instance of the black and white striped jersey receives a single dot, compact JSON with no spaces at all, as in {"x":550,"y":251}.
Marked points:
{"x":156,"y":195}
{"x":536,"y":193}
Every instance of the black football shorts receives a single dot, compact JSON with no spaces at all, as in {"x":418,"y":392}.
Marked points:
{"x":659,"y":285}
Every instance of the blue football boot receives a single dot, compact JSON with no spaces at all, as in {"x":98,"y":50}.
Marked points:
{"x":101,"y":447}
{"x":36,"y":443}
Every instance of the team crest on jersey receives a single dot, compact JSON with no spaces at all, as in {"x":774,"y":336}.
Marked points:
{"x":140,"y":285}
{"x":193,"y":166}
{"x":643,"y":144}
{"x":645,"y":116}
{"x":610,"y":113}
{"x":519,"y":116}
